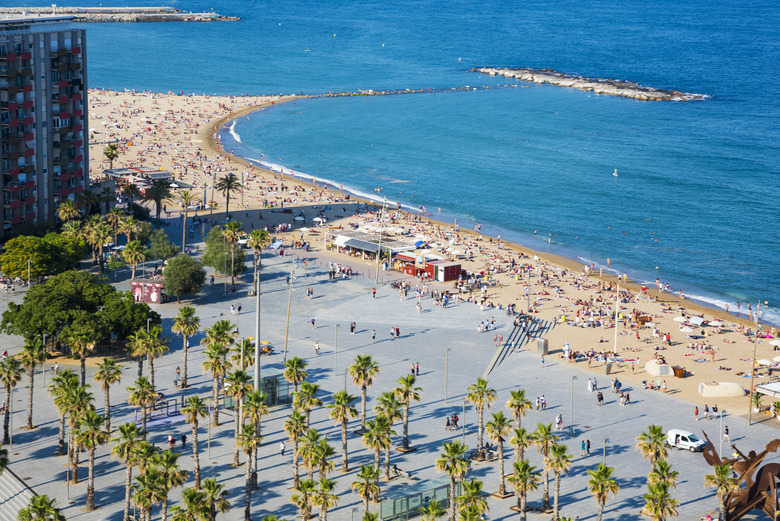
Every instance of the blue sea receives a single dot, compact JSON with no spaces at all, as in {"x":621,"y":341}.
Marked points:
{"x":695,"y":200}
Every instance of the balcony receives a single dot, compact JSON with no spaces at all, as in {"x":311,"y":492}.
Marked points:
{"x":30,"y":199}
{"x":27,"y":88}
{"x":27,"y":71}
{"x":13,"y":123}
{"x":62,"y":99}
{"x":76,"y":50}
{"x":29,"y":216}
{"x":29,"y":184}
{"x":14,"y":172}
{"x":27,"y":56}
{"x":29,"y":136}
{"x":78,"y":189}
{"x":16,"y":203}
{"x":16,"y":219}
{"x":62,"y":84}
{"x":29,"y":120}
{"x":78,"y":113}
{"x":62,"y":67}
{"x":28,"y":169}
{"x":12,"y":105}
{"x":11,"y":56}
{"x":65,"y":192}
{"x":75,"y":66}
{"x":62,"y":52}
{"x":29,"y":152}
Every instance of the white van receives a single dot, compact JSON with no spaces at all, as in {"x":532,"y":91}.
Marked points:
{"x":685,"y":440}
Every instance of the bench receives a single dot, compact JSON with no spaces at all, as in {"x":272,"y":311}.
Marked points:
{"x":401,"y":473}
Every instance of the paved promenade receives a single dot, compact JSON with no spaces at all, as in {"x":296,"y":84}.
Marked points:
{"x":426,"y":338}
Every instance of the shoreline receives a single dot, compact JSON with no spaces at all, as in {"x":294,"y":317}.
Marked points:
{"x":699,"y":305}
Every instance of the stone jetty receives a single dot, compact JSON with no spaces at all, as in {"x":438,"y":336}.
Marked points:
{"x":120,"y":14}
{"x":626,"y":89}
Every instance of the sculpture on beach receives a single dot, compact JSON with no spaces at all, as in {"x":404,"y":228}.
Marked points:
{"x":761,"y":483}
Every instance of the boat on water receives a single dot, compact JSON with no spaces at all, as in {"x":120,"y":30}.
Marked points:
{"x":615,"y":173}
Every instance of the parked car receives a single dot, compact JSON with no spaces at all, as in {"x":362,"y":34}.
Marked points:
{"x":684,"y":440}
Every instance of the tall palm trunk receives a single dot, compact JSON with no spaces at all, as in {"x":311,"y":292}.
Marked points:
{"x":377,"y":454}
{"x":601,"y":511}
{"x":30,"y":426}
{"x":344,"y":462}
{"x":61,"y":442}
{"x":83,"y":361}
{"x":480,"y":447}
{"x":248,"y":485}
{"x":74,"y":459}
{"x":108,"y":411}
{"x":236,"y":423}
{"x":140,"y":365}
{"x":164,"y":509}
{"x":184,"y":230}
{"x":143,"y":418}
{"x":91,"y":480}
{"x":452,"y":498}
{"x":7,"y":416}
{"x":185,"y":356}
{"x":406,"y":426}
{"x":195,"y":455}
{"x":365,"y":505}
{"x":387,"y":463}
{"x":215,"y":413}
{"x":523,"y":503}
{"x":128,"y":481}
{"x":546,"y":492}
{"x":363,"y":396}
{"x":150,"y":358}
{"x":296,"y":476}
{"x":502,"y":485}
{"x":556,"y":494}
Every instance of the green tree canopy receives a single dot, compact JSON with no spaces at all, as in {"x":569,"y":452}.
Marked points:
{"x":126,"y":316}
{"x":161,"y":246}
{"x":183,"y":276}
{"x":51,"y":254}
{"x":217,"y":254}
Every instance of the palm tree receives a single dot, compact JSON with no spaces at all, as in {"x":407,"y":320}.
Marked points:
{"x":518,"y":404}
{"x":156,"y":347}
{"x":78,"y":403}
{"x":215,"y":498}
{"x":255,"y":407}
{"x":4,"y":461}
{"x":68,"y":211}
{"x":248,"y":440}
{"x":99,"y":235}
{"x":521,"y":440}
{"x":61,"y":386}
{"x":193,"y":509}
{"x":305,"y":399}
{"x":295,"y":371}
{"x":148,"y":491}
{"x":193,"y":412}
{"x":652,"y":444}
{"x":662,"y":473}
{"x":659,"y":504}
{"x":186,"y":324}
{"x":74,"y":230}
{"x":237,"y":386}
{"x":321,"y":457}
{"x":524,"y":479}
{"x":470,"y":513}
{"x":433,"y":511}
{"x":559,"y":461}
{"x":131,"y":191}
{"x":388,"y":406}
{"x":309,"y":442}
{"x":377,"y":438}
{"x":114,"y":218}
{"x":142,"y":395}
{"x":544,"y":439}
{"x":367,"y":485}
{"x":11,"y":372}
{"x":218,"y":367}
{"x":473,"y":497}
{"x":724,"y":485}
{"x":32,"y":355}
{"x":87,"y":200}
{"x":109,"y":373}
{"x":363,"y":371}
{"x":129,"y":227}
{"x":407,"y":393}
{"x":230,"y":233}
{"x":257,"y":241}
{"x":90,"y":436}
{"x":134,"y":254}
{"x":341,"y":410}
{"x":187,"y":198}
{"x":243,"y":353}
{"x":41,"y":508}
{"x":139,"y":347}
{"x":145,"y":454}
{"x":304,"y":496}
{"x":111,"y":152}
{"x":157,"y":193}
{"x":480,"y":395}
{"x":81,"y":339}
{"x":295,"y":427}
{"x":106,"y":196}
{"x":602,"y":485}
{"x":226,"y":186}
{"x":126,"y":445}
{"x":324,"y":497}
{"x":171,"y":475}
{"x":453,"y":462}
{"x":497,"y":429}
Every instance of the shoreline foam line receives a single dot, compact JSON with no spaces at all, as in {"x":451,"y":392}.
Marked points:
{"x":624,"y":89}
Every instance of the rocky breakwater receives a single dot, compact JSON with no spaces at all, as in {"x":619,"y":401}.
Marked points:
{"x":625,"y":89}
{"x":121,"y":14}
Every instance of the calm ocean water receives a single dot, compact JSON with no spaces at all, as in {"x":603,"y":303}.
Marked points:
{"x":695,"y":200}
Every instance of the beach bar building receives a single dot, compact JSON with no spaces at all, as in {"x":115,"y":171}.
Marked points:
{"x":405,"y":502}
{"x":274,"y":385}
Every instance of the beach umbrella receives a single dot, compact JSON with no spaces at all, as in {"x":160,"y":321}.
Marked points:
{"x":419,"y":243}
{"x":317,"y":219}
{"x":763,"y":361}
{"x":697,"y":320}
{"x":686,"y":329}
{"x":680,"y":319}
{"x":776,"y":359}
{"x":299,"y":218}
{"x":650,"y":324}
{"x":774,"y":342}
{"x":716,"y":323}
{"x":304,"y":229}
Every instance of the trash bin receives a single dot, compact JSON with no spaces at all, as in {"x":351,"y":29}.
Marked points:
{"x":608,"y":368}
{"x":541,"y":346}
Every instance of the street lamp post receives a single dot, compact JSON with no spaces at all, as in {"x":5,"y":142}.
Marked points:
{"x":336,"y":353}
{"x":604,"y":461}
{"x":463,"y":437}
{"x":44,"y":363}
{"x":446,"y":372}
{"x":571,"y":408}
{"x":381,"y":232}
{"x":148,"y":320}
{"x":29,"y":261}
{"x":753,"y":367}
{"x":211,"y":203}
{"x":720,"y":449}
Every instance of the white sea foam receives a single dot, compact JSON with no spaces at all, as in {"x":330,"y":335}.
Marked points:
{"x":232,"y":130}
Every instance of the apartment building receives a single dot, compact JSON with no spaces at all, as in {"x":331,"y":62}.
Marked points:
{"x":43,"y":112}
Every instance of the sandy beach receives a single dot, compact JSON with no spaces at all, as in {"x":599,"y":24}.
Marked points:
{"x":177,"y":133}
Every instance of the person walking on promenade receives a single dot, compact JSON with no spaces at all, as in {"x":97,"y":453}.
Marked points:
{"x":696,"y":413}
{"x":600,"y":399}
{"x":726,"y":434}
{"x":282,"y":448}
{"x":587,"y":447}
{"x":582,"y":448}
{"x":706,"y":412}
{"x":373,"y":336}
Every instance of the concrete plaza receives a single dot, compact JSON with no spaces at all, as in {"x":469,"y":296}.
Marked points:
{"x":435,"y":338}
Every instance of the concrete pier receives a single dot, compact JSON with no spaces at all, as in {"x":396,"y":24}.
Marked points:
{"x":121,"y":14}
